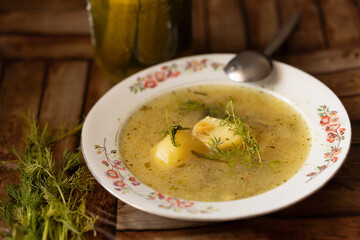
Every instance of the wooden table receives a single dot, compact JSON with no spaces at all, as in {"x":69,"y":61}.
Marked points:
{"x":46,"y":68}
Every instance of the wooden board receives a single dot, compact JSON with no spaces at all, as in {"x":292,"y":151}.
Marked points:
{"x":131,"y":218}
{"x":355,"y":126}
{"x":226,"y":31}
{"x":341,"y":22}
{"x":352,"y":104}
{"x":200,"y":26}
{"x":1,"y":71}
{"x":262,"y":22}
{"x":98,"y":86}
{"x":342,"y":83}
{"x":101,"y":203}
{"x":35,"y":46}
{"x":308,"y":34}
{"x":64,"y":22}
{"x":325,"y":61}
{"x":260,"y":228}
{"x":20,"y":93}
{"x":41,"y":5}
{"x":62,"y":103}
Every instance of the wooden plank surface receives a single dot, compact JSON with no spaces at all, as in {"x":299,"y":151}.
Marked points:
{"x":352,"y":105}
{"x":98,"y":86}
{"x":226,"y":31}
{"x":101,"y":203}
{"x":20,"y":93}
{"x":260,"y":228}
{"x":64,"y":93}
{"x":30,"y":47}
{"x":341,"y":20}
{"x":64,"y":22}
{"x":262,"y":22}
{"x":35,"y":46}
{"x":344,"y":83}
{"x":1,"y":71}
{"x":130,"y":218}
{"x":356,"y":132}
{"x":41,"y":5}
{"x":200,"y":26}
{"x":62,"y":103}
{"x":308,"y":34}
{"x":325,"y":61}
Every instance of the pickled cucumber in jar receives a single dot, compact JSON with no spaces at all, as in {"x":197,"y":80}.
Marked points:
{"x":129,"y":35}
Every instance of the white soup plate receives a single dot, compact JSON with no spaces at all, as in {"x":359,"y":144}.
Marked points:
{"x":323,"y":111}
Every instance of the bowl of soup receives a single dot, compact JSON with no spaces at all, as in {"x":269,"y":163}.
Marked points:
{"x":183,"y":141}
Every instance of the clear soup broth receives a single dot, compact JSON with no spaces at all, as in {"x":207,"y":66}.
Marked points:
{"x":282,"y":134}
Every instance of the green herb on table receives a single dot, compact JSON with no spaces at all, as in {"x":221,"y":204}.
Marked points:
{"x":47,"y":203}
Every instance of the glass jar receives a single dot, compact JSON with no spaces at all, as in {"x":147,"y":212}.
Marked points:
{"x":129,"y":35}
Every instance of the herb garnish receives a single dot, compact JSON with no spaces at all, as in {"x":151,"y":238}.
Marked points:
{"x":250,"y":145}
{"x":200,"y":93}
{"x":229,"y":156}
{"x":172,"y":130}
{"x":273,"y":163}
{"x":191,"y":105}
{"x":246,"y":151}
{"x":47,"y":203}
{"x":214,"y":110}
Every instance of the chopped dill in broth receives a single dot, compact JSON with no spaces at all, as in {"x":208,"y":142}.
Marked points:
{"x":282,"y":135}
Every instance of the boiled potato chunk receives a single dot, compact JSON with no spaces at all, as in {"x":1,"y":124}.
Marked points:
{"x":166,"y":155}
{"x":209,"y":127}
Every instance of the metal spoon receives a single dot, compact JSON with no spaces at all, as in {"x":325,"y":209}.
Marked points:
{"x":251,"y":66}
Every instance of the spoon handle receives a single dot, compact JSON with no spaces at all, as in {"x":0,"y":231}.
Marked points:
{"x":282,"y":35}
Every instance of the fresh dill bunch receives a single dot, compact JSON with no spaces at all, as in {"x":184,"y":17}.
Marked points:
{"x":47,"y":203}
{"x":172,"y":130}
{"x":245,"y":152}
{"x":214,"y":110}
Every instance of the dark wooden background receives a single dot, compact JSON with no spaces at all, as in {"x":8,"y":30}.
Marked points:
{"x":47,"y":68}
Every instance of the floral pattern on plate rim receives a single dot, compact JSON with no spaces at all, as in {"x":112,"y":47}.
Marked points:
{"x":125,"y":182}
{"x":330,"y":122}
{"x":152,"y":79}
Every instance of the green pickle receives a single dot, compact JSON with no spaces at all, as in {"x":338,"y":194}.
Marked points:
{"x":132,"y":34}
{"x":156,"y":37}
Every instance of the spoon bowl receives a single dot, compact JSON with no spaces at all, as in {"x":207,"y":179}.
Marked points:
{"x":249,"y":66}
